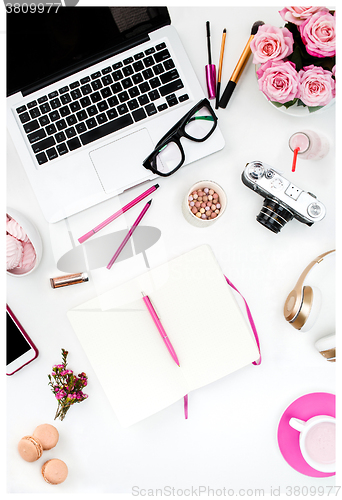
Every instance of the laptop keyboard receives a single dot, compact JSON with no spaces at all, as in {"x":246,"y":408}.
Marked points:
{"x":102,"y":103}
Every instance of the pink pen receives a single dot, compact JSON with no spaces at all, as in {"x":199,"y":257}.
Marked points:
{"x":161,"y":330}
{"x":129,"y":234}
{"x":119,"y":212}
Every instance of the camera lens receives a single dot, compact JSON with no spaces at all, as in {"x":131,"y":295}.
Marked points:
{"x":273,"y":215}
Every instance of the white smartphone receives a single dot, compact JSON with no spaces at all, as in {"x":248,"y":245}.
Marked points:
{"x":20,"y":350}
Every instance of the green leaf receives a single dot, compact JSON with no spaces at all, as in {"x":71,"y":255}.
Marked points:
{"x":290,"y":103}
{"x":277,"y":104}
{"x":314,"y":108}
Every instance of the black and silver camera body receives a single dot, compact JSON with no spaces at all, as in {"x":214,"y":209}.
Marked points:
{"x":283,"y":200}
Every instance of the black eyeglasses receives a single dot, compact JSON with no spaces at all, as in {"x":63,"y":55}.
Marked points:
{"x":197,"y":125}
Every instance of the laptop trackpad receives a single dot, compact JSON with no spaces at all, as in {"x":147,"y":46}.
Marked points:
{"x":119,"y":164}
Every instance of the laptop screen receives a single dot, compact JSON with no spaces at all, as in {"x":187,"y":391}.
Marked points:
{"x":44,"y":47}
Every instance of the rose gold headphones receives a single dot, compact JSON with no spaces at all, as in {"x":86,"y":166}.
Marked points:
{"x":303,"y":302}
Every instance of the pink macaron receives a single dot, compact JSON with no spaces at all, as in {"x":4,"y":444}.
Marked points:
{"x":30,"y":448}
{"x":55,"y":471}
{"x":47,"y":434}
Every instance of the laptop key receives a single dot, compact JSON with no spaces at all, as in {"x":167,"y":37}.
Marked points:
{"x":75,"y":106}
{"x":61,"y":124}
{"x":84,"y":80}
{"x":45,"y":108}
{"x":82,"y":115}
{"x":169,"y":76}
{"x":139,"y":56}
{"x":133,"y":104}
{"x":144,"y":87}
{"x":21,"y":109}
{"x":150,"y":51}
{"x":148,"y":73}
{"x":60,"y":137}
{"x":107,"y":70}
{"x":138,"y":66}
{"x":96,"y":97}
{"x":34,"y":113}
{"x":96,"y":75}
{"x":102,"y":106}
{"x":65,"y":98}
{"x":183,"y":98}
{"x":148,"y":61}
{"x":107,"y":80}
{"x":76,"y":94}
{"x":154,"y":95}
{"x":91,"y":123}
{"x":51,"y":129}
{"x":81,"y":127}
{"x":54,"y":115}
{"x":134,"y":92}
{"x":92,"y":110}
{"x":112,"y":113}
{"x":106,"y":92}
{"x":44,"y":120}
{"x":96,"y":84}
{"x":106,"y":129}
{"x":74,"y":144}
{"x":102,"y":118}
{"x":41,"y":158}
{"x":129,"y":60}
{"x":42,"y":99}
{"x":32,"y":104}
{"x":150,"y":109}
{"x":161,"y":46}
{"x":65,"y":111}
{"x":122,"y":109}
{"x":51,"y":153}
{"x":24,"y":117}
{"x":139,"y":114}
{"x":74,"y":85}
{"x":53,"y":94}
{"x":117,"y":75}
{"x":31,"y":126}
{"x":113,"y":101}
{"x":143,"y":99}
{"x":158,"y":68}
{"x":128,"y":70}
{"x":86,"y":89}
{"x":71,"y":120}
{"x":117,"y":65}
{"x":63,"y":90}
{"x":162,"y":107}
{"x":155,"y":82}
{"x":127,"y":83}
{"x":85,"y":101}
{"x":44,"y":144}
{"x":116,"y":87}
{"x":171,"y":87}
{"x":161,"y":56}
{"x":62,"y":149}
{"x":70,"y":132}
{"x":37,"y":135}
{"x":137,"y":78}
{"x":123,"y":96}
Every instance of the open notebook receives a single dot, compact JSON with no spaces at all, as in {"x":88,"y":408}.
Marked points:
{"x":201,"y":317}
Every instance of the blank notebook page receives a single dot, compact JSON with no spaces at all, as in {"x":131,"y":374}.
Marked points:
{"x":204,"y":324}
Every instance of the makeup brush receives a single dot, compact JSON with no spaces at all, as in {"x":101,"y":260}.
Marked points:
{"x":239,"y":67}
{"x":220,"y":69}
{"x":210,"y":69}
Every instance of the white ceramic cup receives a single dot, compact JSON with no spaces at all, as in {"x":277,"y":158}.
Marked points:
{"x":196,"y":221}
{"x":317,"y":441}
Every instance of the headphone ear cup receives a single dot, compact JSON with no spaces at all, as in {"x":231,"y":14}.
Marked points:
{"x":316,"y":304}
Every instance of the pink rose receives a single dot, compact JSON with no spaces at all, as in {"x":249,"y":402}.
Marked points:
{"x":297,"y":15}
{"x":317,"y":86}
{"x":319,"y":34}
{"x":271,"y":43}
{"x":279,"y":81}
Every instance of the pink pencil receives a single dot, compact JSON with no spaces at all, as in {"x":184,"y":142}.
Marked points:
{"x":119,"y":212}
{"x":129,"y":234}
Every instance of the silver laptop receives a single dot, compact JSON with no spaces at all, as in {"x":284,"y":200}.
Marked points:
{"x":90,"y":91}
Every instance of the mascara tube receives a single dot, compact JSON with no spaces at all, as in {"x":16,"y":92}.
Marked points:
{"x":68,"y":279}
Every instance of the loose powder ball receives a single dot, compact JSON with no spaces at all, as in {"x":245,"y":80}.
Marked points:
{"x":204,"y":203}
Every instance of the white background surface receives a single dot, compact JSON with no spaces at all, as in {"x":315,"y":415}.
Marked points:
{"x":229,"y":439}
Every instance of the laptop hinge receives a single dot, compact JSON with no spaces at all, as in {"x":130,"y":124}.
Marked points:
{"x":85,"y":64}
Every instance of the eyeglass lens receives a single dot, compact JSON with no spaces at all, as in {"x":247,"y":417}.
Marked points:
{"x":198,"y":126}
